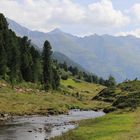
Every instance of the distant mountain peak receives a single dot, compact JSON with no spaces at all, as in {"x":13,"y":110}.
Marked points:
{"x":101,"y":54}
{"x":55,"y":31}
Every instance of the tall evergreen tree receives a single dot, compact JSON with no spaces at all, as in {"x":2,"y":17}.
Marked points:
{"x":3,"y":55}
{"x":47,"y":65}
{"x":36,"y":65}
{"x":26,"y":59}
{"x":55,"y":79}
{"x":3,"y":62}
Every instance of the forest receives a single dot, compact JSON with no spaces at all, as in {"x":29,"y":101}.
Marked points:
{"x":21,"y":61}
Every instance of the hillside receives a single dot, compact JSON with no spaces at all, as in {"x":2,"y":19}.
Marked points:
{"x":102,"y":55}
{"x":29,"y":98}
{"x":125,"y":96}
{"x":61,"y":58}
{"x":122,"y":123}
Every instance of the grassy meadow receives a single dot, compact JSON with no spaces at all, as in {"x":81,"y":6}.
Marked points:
{"x":113,"y":126}
{"x":28,"y":98}
{"x":122,"y":124}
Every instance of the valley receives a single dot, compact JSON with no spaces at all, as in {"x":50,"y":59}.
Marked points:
{"x":69,"y":70}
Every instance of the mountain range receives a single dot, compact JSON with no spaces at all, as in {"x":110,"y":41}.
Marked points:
{"x":102,"y":55}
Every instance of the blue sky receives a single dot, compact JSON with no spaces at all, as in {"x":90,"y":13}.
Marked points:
{"x":78,"y":17}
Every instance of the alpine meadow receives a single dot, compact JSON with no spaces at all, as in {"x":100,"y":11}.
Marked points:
{"x":69,"y":70}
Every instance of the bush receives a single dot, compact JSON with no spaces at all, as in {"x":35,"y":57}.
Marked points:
{"x":131,"y":100}
{"x":109,"y":109}
{"x":64,"y":77}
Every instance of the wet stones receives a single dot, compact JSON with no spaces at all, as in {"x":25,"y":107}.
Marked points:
{"x":4,"y":117}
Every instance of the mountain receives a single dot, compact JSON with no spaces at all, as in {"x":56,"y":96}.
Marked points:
{"x":61,"y":58}
{"x":102,"y":55}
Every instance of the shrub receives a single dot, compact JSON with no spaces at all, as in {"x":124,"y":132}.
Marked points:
{"x":64,"y":77}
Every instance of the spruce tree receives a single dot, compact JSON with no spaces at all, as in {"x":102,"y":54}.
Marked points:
{"x":3,"y":55}
{"x":3,"y":62}
{"x":36,"y":65}
{"x":47,"y":65}
{"x":26,"y":59}
{"x":55,"y":78}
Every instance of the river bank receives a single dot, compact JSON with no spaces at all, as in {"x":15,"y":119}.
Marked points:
{"x":41,"y":127}
{"x":30,"y":99}
{"x":113,"y":126}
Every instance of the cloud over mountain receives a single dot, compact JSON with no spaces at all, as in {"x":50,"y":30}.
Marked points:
{"x":45,"y":15}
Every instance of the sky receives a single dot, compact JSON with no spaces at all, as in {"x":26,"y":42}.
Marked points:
{"x":78,"y":17}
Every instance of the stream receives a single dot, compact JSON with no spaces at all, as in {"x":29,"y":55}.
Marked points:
{"x":42,"y":127}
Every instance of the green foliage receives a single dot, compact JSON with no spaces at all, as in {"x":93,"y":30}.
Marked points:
{"x":131,"y":100}
{"x":30,"y":98}
{"x":3,"y":22}
{"x":108,"y":127}
{"x":51,"y":77}
{"x":3,"y":62}
{"x":64,"y":77}
{"x":19,"y":60}
{"x":124,"y":96}
{"x":47,"y":69}
{"x":111,"y":82}
{"x":107,"y":95}
{"x":55,"y":78}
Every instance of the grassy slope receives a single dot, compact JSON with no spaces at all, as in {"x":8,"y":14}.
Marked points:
{"x":26,"y":98}
{"x":114,"y":126}
{"x":29,"y":99}
{"x":118,"y":125}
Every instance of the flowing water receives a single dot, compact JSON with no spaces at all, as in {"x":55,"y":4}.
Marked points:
{"x":41,"y":127}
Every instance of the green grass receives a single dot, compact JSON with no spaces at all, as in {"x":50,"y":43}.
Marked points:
{"x":81,"y":85}
{"x":109,"y":127}
{"x":28,"y":98}
{"x":130,"y":86}
{"x":85,"y":89}
{"x":124,"y":96}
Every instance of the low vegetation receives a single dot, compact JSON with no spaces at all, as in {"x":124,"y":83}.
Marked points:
{"x":112,"y":126}
{"x":125,"y":96}
{"x":123,"y":123}
{"x":31,"y":82}
{"x":29,"y":98}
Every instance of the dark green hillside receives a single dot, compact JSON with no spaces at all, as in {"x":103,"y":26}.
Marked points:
{"x":21,"y":61}
{"x":124,"y":121}
{"x":19,"y":58}
{"x":124,"y":96}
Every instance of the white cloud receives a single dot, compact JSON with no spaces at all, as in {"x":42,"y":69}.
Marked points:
{"x":135,"y":32}
{"x":48,"y":14}
{"x":135,"y":12}
{"x":103,"y":13}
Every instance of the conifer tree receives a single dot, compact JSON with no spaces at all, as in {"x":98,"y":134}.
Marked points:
{"x":3,"y":62}
{"x":47,"y":65}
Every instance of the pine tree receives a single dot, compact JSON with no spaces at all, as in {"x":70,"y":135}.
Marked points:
{"x":56,"y":79}
{"x":26,"y":59}
{"x":3,"y":62}
{"x":3,"y":55}
{"x":47,"y":65}
{"x":111,"y":82}
{"x":36,"y":65}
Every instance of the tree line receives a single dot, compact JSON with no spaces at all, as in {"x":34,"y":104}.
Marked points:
{"x":21,"y":61}
{"x":86,"y":76}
